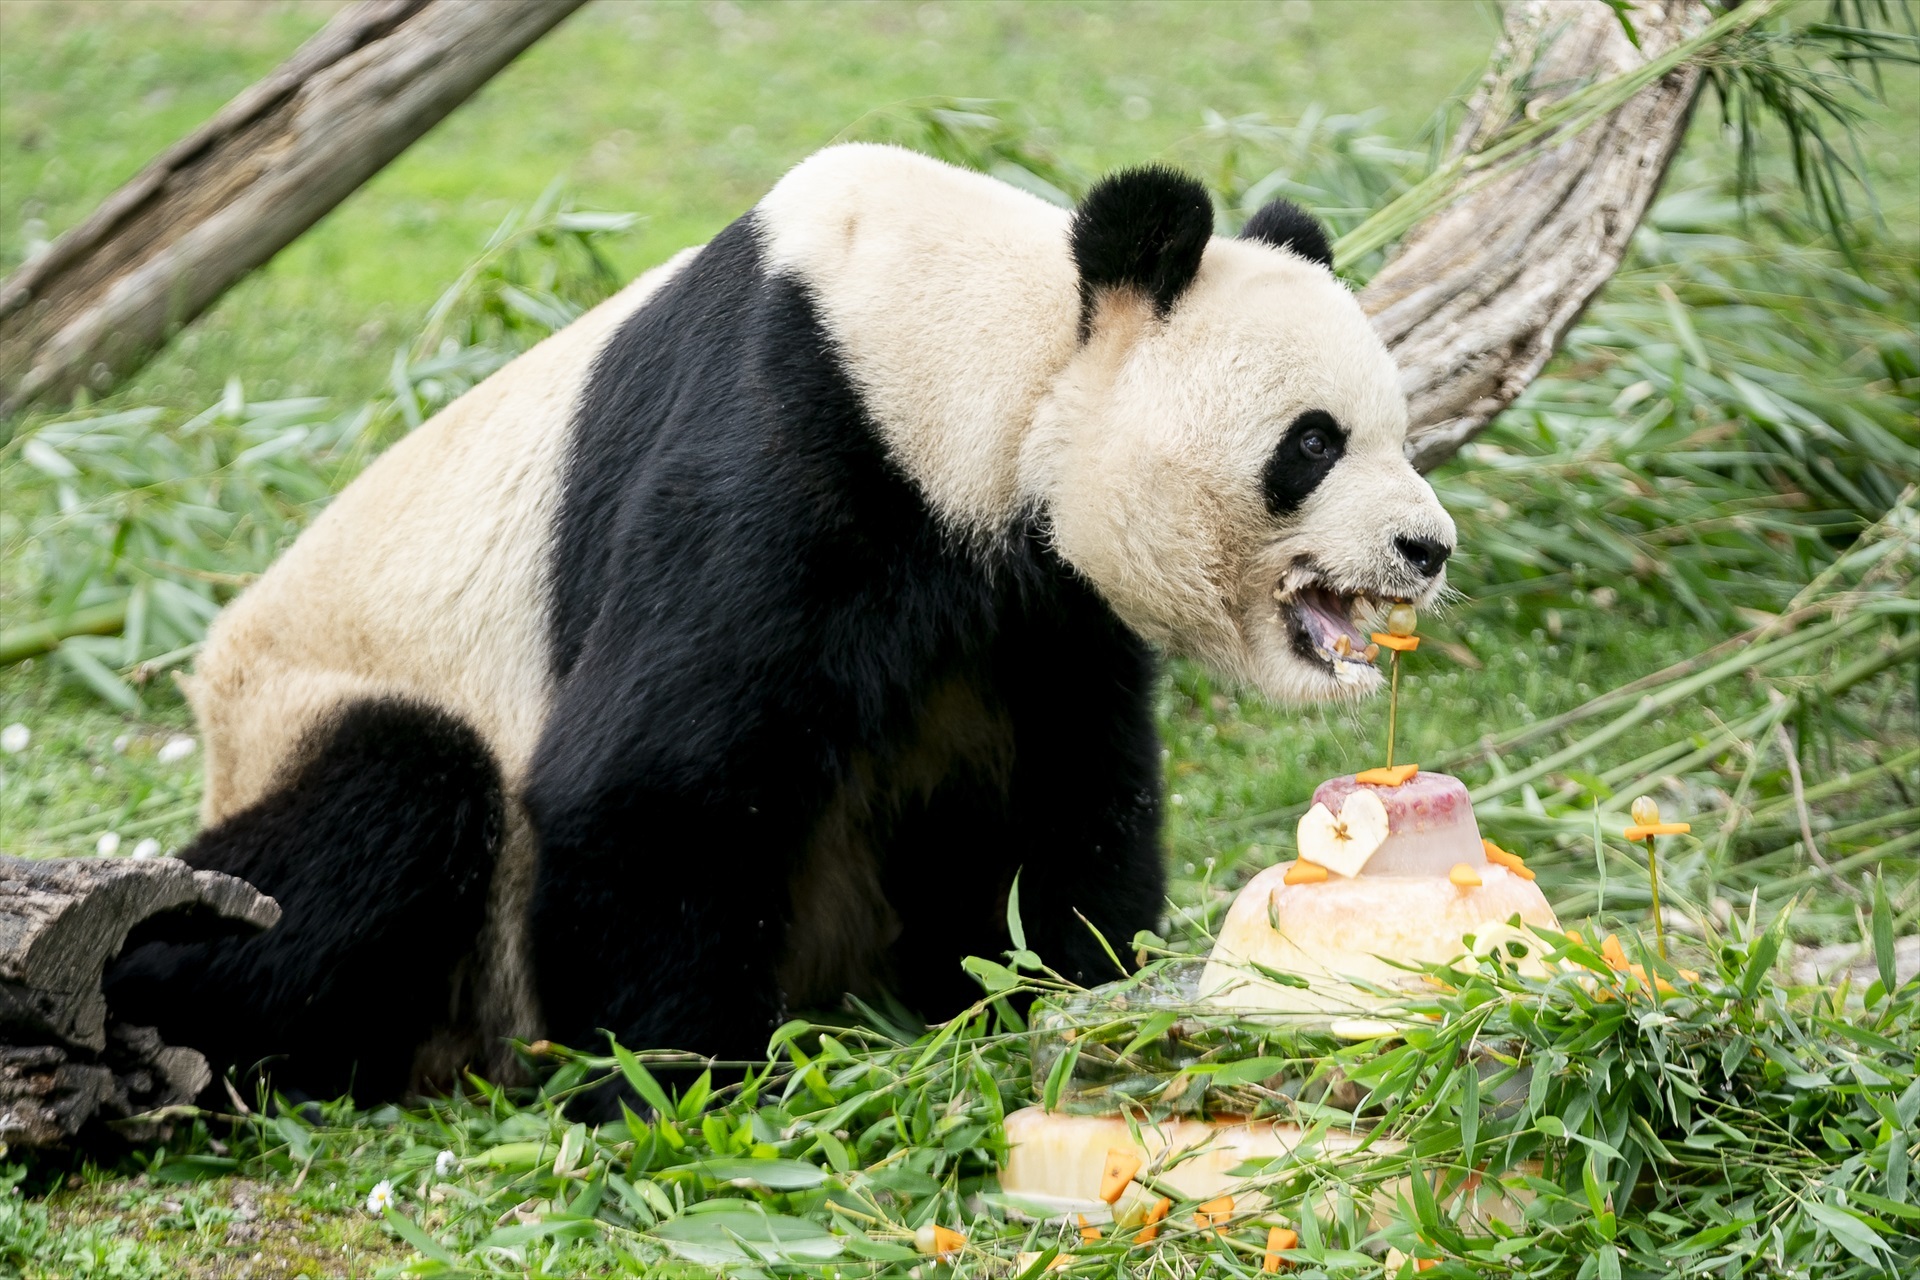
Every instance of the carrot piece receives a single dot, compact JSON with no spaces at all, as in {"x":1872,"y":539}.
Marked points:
{"x":1393,"y":777}
{"x":1613,"y":953}
{"x":1278,"y":1240}
{"x":1464,"y":876}
{"x":1118,"y":1172}
{"x":1666,"y":988}
{"x":1304,"y":872}
{"x":1087,"y":1233}
{"x":1214,"y":1213}
{"x":1405,"y":644}
{"x":946,"y":1240}
{"x":1501,"y":858}
{"x":1150,"y":1224}
{"x":1061,"y":1261}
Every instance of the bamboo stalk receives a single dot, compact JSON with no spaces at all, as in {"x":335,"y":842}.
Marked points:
{"x":1393,"y":707}
{"x":1646,"y":708}
{"x":1564,"y":118}
{"x":1822,"y":790}
{"x":1866,"y":857}
{"x":1659,"y":920}
{"x":39,"y":637}
{"x":1839,"y":683}
{"x":1749,"y":652}
{"x":1682,"y":755}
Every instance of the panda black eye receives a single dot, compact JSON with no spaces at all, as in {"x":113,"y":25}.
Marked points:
{"x":1304,"y":456}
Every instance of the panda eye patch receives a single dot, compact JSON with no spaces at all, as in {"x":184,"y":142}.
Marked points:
{"x":1312,"y":445}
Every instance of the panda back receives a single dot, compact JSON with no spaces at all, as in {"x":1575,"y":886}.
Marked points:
{"x":952,"y":300}
{"x":426,"y":578}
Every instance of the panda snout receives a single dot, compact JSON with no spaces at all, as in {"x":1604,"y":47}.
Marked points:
{"x":1426,"y":555}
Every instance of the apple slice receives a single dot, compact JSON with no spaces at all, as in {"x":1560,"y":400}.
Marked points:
{"x":1343,"y":844}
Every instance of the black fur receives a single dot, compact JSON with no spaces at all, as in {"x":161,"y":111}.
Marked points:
{"x":1142,"y":230}
{"x":379,"y":850}
{"x":753,"y":607}
{"x":1285,"y":225}
{"x":1302,"y":459}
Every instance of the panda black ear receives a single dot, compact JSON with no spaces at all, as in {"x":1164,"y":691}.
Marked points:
{"x":1141,"y":230}
{"x":1285,"y":225}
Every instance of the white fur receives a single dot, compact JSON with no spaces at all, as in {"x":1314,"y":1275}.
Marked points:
{"x":955,"y":303}
{"x":953,"y":300}
{"x":424,"y":579}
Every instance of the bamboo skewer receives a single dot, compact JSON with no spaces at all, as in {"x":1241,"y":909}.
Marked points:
{"x":1648,"y":827}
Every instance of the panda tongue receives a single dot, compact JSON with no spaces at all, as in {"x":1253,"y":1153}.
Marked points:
{"x":1327,"y":616}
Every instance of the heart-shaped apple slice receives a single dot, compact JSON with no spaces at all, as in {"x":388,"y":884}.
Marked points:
{"x":1343,"y":844}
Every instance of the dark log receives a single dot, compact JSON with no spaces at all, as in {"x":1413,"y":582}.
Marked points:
{"x":1479,"y":295}
{"x":65,"y":1063}
{"x":109,"y":293}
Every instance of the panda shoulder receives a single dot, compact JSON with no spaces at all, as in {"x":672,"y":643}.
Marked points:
{"x":839,"y":201}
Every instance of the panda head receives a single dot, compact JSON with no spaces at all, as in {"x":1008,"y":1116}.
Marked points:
{"x":1223,"y":456}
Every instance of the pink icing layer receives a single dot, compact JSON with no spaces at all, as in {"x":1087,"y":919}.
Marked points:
{"x":1429,"y":823}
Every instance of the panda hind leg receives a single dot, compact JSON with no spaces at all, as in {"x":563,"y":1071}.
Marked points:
{"x":379,"y":849}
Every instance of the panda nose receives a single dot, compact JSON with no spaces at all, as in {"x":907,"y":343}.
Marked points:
{"x":1424,"y":554}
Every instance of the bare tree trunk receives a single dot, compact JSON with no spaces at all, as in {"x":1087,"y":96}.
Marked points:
{"x":1480,"y":294}
{"x":107,"y":294}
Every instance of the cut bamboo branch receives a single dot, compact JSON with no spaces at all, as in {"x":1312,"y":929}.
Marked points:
{"x":39,"y":637}
{"x":109,"y":293}
{"x":1480,"y":294}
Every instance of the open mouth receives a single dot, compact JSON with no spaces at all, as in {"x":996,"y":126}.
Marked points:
{"x":1328,"y":625}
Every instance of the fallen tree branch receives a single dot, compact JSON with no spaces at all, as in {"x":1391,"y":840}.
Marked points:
{"x":1480,"y":294}
{"x":109,"y":293}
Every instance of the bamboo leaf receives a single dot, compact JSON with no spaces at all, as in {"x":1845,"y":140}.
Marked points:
{"x":642,"y":1080}
{"x":1883,"y":952}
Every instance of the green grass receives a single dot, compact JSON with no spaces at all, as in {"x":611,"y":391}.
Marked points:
{"x":1641,"y":505}
{"x":684,"y":113}
{"x":110,"y":1228}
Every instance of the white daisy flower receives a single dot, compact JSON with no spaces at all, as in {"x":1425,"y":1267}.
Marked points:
{"x":380,"y":1199}
{"x":446,"y":1164}
{"x":148,"y":848}
{"x":14,"y":739}
{"x":107,"y":845}
{"x":175,"y":749}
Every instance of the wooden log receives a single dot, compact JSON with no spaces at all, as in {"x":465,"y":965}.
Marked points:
{"x":1479,"y":295}
{"x":63,"y":919}
{"x":65,"y":1064}
{"x":50,"y":1096}
{"x":107,"y":294}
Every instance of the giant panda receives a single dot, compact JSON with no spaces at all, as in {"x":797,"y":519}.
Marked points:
{"x":735,"y":648}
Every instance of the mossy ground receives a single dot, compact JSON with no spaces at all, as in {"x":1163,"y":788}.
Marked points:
{"x":133,"y":1228}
